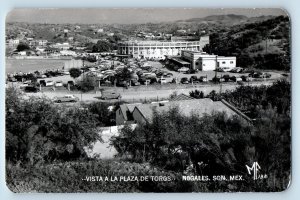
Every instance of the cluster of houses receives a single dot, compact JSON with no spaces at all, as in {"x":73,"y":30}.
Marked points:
{"x":154,"y":35}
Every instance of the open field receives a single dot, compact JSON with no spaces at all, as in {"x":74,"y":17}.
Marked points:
{"x":43,"y":64}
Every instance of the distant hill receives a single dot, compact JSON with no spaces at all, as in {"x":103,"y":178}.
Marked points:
{"x":260,"y":44}
{"x":230,"y":19}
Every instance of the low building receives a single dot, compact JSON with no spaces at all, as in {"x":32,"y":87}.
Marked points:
{"x":42,"y":42}
{"x":13,"y":43}
{"x":61,"y":46}
{"x":67,"y":53}
{"x":205,"y":62}
{"x":142,"y":113}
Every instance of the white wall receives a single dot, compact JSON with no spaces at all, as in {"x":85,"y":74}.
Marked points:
{"x":208,"y":65}
{"x":227,"y":63}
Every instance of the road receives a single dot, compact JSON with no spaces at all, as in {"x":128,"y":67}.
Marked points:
{"x":140,"y":95}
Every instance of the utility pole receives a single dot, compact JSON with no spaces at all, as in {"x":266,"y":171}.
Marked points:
{"x":216,"y":69}
{"x":266,"y":44}
{"x":82,"y":79}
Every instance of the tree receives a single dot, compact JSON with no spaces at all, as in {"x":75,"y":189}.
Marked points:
{"x":102,"y":46}
{"x":104,"y":116}
{"x":38,"y":131}
{"x":22,"y":47}
{"x":75,"y":72}
{"x":197,"y":94}
{"x":124,"y":74}
{"x":87,"y":84}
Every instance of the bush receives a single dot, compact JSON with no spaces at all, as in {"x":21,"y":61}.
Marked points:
{"x":68,"y":177}
{"x":87,"y":84}
{"x":38,"y":131}
{"x":75,"y":72}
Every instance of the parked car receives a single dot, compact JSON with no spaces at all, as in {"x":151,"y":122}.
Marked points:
{"x":134,"y":82}
{"x":31,"y":89}
{"x":237,"y":70}
{"x":203,"y":79}
{"x":121,"y":83}
{"x":193,"y":78}
{"x":266,"y":75}
{"x":71,"y":83}
{"x":246,"y":78}
{"x":12,"y":79}
{"x":23,"y":85}
{"x":66,"y":72}
{"x":184,"y":80}
{"x":239,"y":79}
{"x":110,"y":95}
{"x":43,"y":82}
{"x":226,"y":77}
{"x":183,"y":69}
{"x":66,"y":98}
{"x":233,"y":78}
{"x":219,"y":70}
{"x":255,"y":75}
{"x":58,"y":84}
{"x":216,"y":79}
{"x":49,"y":83}
{"x":162,"y":80}
{"x":190,"y":71}
{"x":147,"y":81}
{"x":169,"y":74}
{"x":48,"y":75}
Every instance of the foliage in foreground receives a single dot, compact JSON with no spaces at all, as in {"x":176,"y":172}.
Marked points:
{"x":251,"y":99}
{"x":217,"y":144}
{"x":38,"y":131}
{"x":67,"y":177}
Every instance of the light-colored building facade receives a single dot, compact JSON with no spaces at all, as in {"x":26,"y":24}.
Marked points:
{"x":13,"y":43}
{"x":159,"y":49}
{"x":61,"y":46}
{"x":205,"y":62}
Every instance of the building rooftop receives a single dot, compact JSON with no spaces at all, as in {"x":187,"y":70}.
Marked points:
{"x":181,"y":97}
{"x":182,"y":62}
{"x":127,"y":110}
{"x":199,"y":107}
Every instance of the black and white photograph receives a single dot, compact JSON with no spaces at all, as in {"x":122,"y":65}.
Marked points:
{"x":147,"y":100}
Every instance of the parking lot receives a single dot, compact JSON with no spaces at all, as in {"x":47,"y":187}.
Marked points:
{"x":142,"y":69}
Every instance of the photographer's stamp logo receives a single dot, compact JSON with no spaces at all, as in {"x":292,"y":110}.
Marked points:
{"x":255,"y":170}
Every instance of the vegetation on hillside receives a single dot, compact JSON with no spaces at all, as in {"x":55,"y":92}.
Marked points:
{"x":263,"y":45}
{"x":39,"y":132}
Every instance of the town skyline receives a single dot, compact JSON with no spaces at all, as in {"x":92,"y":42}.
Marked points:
{"x":126,"y":15}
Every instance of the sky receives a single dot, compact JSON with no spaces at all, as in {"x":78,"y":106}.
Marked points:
{"x":124,"y":15}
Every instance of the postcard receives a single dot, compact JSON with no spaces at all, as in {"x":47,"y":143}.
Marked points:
{"x":138,"y":100}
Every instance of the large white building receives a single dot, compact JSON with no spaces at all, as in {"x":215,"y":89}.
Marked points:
{"x":205,"y":62}
{"x":159,"y":49}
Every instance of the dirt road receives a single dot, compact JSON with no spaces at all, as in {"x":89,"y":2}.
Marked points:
{"x":141,"y":95}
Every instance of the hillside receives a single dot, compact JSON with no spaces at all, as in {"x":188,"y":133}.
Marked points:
{"x":225,"y":20}
{"x":264,"y":44}
{"x":54,"y":32}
